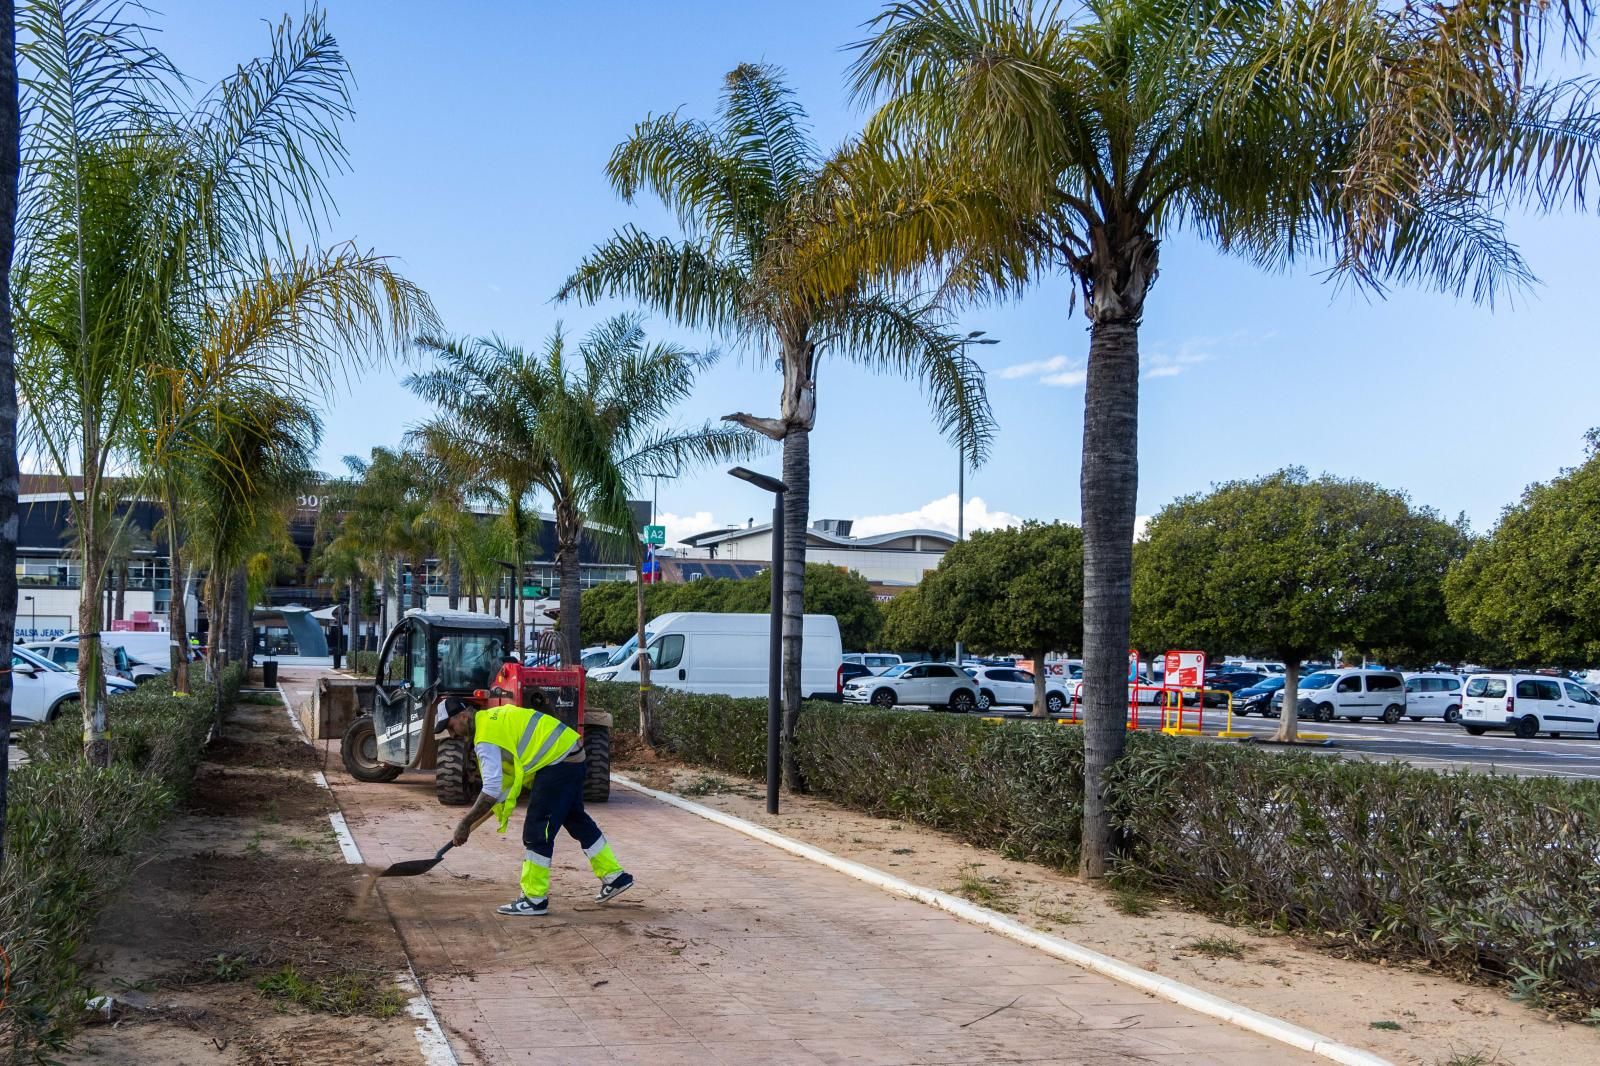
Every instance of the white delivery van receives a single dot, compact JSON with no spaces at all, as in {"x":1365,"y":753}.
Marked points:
{"x":153,"y":649}
{"x":726,"y":654}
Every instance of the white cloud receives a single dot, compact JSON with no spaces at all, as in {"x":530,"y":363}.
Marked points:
{"x":1059,"y":370}
{"x":1140,"y":524}
{"x":936,"y":514}
{"x":686,"y":525}
{"x":1037,"y":366}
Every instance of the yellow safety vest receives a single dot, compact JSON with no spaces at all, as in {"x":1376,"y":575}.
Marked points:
{"x":530,"y":740}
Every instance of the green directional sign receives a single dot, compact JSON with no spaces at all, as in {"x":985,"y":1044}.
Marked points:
{"x":532,"y":592}
{"x":655,"y":534}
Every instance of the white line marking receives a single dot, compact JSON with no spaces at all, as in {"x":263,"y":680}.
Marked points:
{"x":321,"y":780}
{"x":294,"y":719}
{"x":430,"y":1037}
{"x":1164,"y":987}
{"x":347,"y":843}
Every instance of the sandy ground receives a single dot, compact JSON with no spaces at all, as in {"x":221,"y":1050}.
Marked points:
{"x":1438,"y":1020}
{"x":246,"y":881}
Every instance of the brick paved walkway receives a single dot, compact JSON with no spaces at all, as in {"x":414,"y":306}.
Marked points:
{"x":730,"y":951}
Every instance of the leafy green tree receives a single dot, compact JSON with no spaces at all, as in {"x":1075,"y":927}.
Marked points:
{"x":1006,"y":590}
{"x":1293,"y":567}
{"x":1020,"y":140}
{"x":741,"y":188}
{"x":908,"y":625}
{"x":582,"y":430}
{"x":609,"y":609}
{"x":1532,"y":587}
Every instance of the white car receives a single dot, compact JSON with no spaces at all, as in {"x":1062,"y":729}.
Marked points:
{"x":876,"y":661}
{"x":118,"y":663}
{"x":927,"y":684}
{"x":1349,"y":693}
{"x":1001,"y":686}
{"x":39,"y":690}
{"x":1433,"y":695}
{"x":1529,"y":704}
{"x":593,"y":658}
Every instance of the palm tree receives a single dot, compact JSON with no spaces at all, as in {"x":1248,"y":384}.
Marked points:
{"x":154,"y":282}
{"x":581,"y":428}
{"x":1019,"y":140}
{"x":740,"y":187}
{"x":235,"y":516}
{"x":10,"y":124}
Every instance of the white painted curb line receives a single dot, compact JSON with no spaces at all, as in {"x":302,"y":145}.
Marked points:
{"x":435,"y":1047}
{"x":1155,"y":984}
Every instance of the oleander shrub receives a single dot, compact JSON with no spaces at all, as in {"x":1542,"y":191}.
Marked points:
{"x":1489,"y":878}
{"x":73,"y":835}
{"x":363,"y":663}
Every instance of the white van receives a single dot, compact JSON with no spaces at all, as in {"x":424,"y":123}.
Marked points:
{"x":1353,"y":694}
{"x":154,"y":649}
{"x":876,"y":661}
{"x":1529,"y":704}
{"x":726,"y":654}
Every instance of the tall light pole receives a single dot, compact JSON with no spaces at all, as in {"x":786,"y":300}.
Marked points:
{"x":975,"y":337}
{"x":775,"y":629}
{"x":33,"y":607}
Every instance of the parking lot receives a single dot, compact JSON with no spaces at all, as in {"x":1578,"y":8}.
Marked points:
{"x":1431,"y":744}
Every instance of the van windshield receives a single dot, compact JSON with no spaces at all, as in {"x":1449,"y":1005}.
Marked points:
{"x":1491,"y":687}
{"x":622,"y":654}
{"x":897,"y":669}
{"x":1321,"y":680}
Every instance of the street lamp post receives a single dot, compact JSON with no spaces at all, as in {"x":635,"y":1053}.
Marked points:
{"x":975,"y":337}
{"x":775,"y":629}
{"x":34,"y":610}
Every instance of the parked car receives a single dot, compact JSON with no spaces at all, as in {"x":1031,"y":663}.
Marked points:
{"x":1527,"y":705}
{"x":1433,"y":695}
{"x":1353,"y":694}
{"x":876,"y":661}
{"x":1007,"y":686}
{"x":39,"y":691}
{"x":1234,"y":681}
{"x":930,"y":684}
{"x":849,"y":671}
{"x":1257,"y":699}
{"x":114,"y":685}
{"x":117,"y":662}
{"x":597,"y":656}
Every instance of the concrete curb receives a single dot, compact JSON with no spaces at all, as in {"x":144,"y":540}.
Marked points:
{"x":1155,"y":984}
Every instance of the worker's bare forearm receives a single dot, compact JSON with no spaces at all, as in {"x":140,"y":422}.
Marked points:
{"x":476,"y":813}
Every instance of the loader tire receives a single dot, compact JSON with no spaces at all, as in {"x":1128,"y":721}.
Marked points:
{"x":358,"y":750}
{"x":455,"y":775}
{"x":597,"y":764}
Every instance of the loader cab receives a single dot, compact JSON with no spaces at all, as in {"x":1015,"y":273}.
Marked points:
{"x":427,"y":657}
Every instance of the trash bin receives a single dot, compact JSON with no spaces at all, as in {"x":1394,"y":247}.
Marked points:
{"x":269,"y":673}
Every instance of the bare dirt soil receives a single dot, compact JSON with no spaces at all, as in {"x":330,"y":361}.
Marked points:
{"x":245,"y":938}
{"x":1434,"y":1019}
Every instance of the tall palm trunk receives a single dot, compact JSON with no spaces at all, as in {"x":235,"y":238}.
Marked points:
{"x":1109,"y":484}
{"x":569,"y":529}
{"x":9,"y":125}
{"x":453,"y":580}
{"x":120,"y":607}
{"x":796,"y":509}
{"x":91,"y":673}
{"x":240,"y":618}
{"x":178,"y":609}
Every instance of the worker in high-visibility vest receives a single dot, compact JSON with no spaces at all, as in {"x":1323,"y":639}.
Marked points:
{"x":519,"y":746}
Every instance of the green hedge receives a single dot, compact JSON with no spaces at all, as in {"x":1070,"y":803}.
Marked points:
{"x":1491,"y":878}
{"x":73,"y":835}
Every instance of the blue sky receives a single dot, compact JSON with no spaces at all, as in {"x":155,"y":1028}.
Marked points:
{"x":477,"y":152}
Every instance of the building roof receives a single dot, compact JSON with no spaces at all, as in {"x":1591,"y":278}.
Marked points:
{"x":719,"y":536}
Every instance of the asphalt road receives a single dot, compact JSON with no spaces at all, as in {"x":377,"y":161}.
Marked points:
{"x":1430,"y":743}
